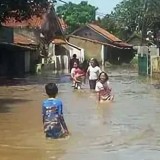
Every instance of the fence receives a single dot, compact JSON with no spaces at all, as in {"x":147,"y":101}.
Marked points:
{"x":145,"y":57}
{"x":155,"y":67}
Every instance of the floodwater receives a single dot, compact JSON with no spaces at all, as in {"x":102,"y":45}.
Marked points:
{"x":127,"y":129}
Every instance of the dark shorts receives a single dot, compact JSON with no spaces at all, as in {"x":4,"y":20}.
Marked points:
{"x":92,"y":84}
{"x":53,"y":129}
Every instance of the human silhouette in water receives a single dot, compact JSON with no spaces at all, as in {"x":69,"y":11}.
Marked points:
{"x":73,"y":60}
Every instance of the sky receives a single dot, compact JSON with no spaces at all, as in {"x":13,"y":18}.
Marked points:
{"x":105,"y":6}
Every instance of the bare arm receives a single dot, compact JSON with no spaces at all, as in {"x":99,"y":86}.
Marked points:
{"x":62,"y":121}
{"x":98,"y":96}
{"x":72,"y":73}
{"x":88,"y":72}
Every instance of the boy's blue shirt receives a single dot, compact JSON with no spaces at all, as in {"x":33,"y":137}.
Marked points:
{"x":52,"y":108}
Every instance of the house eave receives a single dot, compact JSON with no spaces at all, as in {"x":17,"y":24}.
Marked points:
{"x":102,"y":43}
{"x":17,"y":46}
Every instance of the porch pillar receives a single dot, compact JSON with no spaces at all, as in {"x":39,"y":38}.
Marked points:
{"x":102,"y":55}
{"x":51,"y":51}
{"x":82,"y":55}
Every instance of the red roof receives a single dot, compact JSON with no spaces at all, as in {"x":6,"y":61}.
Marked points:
{"x":20,"y":39}
{"x":115,"y":41}
{"x":122,"y":44}
{"x":23,"y":40}
{"x":95,"y":41}
{"x":58,"y":41}
{"x":104,"y":33}
{"x":34,"y":21}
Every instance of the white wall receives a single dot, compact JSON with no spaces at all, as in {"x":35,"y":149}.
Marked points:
{"x":62,"y":61}
{"x":78,"y":52}
{"x":102,"y":54}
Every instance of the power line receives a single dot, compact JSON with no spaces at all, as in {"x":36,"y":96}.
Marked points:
{"x":100,"y":13}
{"x":62,"y":1}
{"x":55,"y":1}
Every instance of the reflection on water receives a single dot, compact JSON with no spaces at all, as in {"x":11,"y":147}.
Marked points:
{"x":128,"y":128}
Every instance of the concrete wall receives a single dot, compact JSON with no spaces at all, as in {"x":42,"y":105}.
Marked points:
{"x":60,"y":56}
{"x":155,"y":67}
{"x":91,"y":49}
{"x":75,"y":50}
{"x":90,"y":34}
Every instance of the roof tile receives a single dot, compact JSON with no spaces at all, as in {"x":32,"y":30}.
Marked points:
{"x":34,"y":21}
{"x":20,"y":39}
{"x":105,"y":33}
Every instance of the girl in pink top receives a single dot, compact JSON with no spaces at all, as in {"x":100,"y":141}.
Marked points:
{"x":77,"y":74}
{"x":103,"y":89}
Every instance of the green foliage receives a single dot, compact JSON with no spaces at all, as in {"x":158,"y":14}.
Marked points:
{"x":21,"y":9}
{"x":133,"y":15}
{"x":76,"y":15}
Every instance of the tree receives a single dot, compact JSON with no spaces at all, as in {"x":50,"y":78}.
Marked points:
{"x":21,"y":9}
{"x":108,"y":22}
{"x":76,"y":15}
{"x":133,"y":15}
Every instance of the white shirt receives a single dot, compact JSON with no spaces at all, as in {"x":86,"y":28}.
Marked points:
{"x":93,"y":72}
{"x":100,"y":86}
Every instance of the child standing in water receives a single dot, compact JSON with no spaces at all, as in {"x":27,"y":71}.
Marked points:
{"x":93,"y":72}
{"x":52,"y":112}
{"x":77,"y":74}
{"x":103,"y":89}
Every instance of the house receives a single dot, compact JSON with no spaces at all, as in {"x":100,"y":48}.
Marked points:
{"x":20,"y":44}
{"x":16,"y":58}
{"x":102,"y":45}
{"x":61,"y":51}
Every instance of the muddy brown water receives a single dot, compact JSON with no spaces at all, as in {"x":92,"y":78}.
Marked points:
{"x":127,"y":129}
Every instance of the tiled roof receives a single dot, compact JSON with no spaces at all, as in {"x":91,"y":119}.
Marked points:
{"x":21,"y":39}
{"x":95,"y":41}
{"x":115,"y":41}
{"x":122,"y":44}
{"x":34,"y":21}
{"x":58,"y":41}
{"x":105,"y":33}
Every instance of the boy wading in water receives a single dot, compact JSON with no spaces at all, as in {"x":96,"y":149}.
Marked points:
{"x":52,"y":112}
{"x":103,"y":89}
